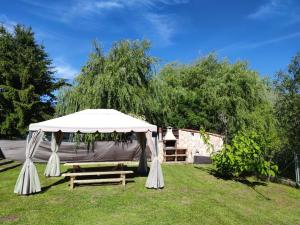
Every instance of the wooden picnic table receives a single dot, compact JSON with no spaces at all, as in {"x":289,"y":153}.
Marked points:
{"x":77,"y":173}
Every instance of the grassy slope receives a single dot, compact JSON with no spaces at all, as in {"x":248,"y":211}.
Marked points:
{"x":191,"y":196}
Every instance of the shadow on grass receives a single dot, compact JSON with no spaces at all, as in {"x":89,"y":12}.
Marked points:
{"x":245,"y":181}
{"x":253,"y":184}
{"x":61,"y":181}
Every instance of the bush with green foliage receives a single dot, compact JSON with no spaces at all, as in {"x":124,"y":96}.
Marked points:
{"x":244,"y":156}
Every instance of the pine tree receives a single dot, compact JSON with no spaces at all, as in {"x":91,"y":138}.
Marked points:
{"x":26,"y":82}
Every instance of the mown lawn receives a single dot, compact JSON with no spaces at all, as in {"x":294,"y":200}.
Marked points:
{"x":191,"y":196}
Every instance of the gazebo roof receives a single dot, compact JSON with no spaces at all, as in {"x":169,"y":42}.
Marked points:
{"x":94,"y":120}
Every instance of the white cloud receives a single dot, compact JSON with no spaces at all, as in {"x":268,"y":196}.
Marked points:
{"x":287,"y":10}
{"x":253,"y":45}
{"x":151,"y":3}
{"x":163,"y":27}
{"x":7,"y":23}
{"x":274,"y":40}
{"x":82,"y":8}
{"x":64,"y":70}
{"x":270,"y":8}
{"x":108,"y":5}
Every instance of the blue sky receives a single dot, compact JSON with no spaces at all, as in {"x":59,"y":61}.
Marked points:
{"x":264,"y":33}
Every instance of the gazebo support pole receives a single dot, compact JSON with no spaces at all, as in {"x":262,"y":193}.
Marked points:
{"x":143,"y":167}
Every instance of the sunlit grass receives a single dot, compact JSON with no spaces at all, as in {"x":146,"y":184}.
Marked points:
{"x":191,"y":196}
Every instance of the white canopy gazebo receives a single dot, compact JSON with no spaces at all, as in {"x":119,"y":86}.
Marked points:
{"x":87,"y":121}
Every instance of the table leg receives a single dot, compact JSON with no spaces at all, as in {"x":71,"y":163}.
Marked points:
{"x":72,"y":182}
{"x":123,"y":176}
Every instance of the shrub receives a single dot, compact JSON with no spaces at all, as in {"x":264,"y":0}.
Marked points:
{"x":244,"y":156}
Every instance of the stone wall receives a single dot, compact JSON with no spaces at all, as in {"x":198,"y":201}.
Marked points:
{"x":194,"y":143}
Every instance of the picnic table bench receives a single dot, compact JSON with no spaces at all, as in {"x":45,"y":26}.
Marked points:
{"x":77,"y":173}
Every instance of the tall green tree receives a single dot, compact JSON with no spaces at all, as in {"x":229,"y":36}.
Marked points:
{"x":218,"y":96}
{"x":117,"y":80}
{"x":287,"y":87}
{"x":26,"y":82}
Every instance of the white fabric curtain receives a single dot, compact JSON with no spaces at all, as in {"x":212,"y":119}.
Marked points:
{"x":53,"y":165}
{"x":155,"y":177}
{"x":28,"y":181}
{"x":143,"y":167}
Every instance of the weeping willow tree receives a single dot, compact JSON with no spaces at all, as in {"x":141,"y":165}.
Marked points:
{"x":116,"y":80}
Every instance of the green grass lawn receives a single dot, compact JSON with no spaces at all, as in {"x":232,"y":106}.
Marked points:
{"x":191,"y":196}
